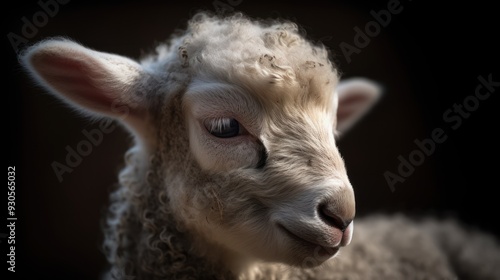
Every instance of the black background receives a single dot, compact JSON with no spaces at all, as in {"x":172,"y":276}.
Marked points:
{"x":428,"y":58}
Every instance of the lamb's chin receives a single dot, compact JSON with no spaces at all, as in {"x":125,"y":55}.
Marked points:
{"x":297,"y":253}
{"x":305,"y":257}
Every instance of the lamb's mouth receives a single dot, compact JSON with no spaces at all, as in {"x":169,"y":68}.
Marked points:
{"x":325,"y":251}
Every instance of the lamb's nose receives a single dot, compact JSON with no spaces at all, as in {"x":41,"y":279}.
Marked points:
{"x":338,"y":210}
{"x":333,"y":219}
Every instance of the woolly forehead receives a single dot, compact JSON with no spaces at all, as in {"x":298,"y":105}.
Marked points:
{"x":273,"y":63}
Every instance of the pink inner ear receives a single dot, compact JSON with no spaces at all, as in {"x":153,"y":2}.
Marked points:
{"x":352,"y":104}
{"x":78,"y":78}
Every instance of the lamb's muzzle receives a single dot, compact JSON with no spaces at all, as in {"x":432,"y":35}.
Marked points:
{"x":322,"y":219}
{"x":340,"y":224}
{"x":333,"y":219}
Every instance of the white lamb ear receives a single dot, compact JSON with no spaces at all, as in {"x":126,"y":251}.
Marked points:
{"x":92,"y":81}
{"x":356,"y":96}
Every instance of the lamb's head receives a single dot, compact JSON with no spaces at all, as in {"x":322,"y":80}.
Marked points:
{"x":244,"y":118}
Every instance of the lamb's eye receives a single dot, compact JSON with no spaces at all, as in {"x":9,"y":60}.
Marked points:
{"x":222,"y":127}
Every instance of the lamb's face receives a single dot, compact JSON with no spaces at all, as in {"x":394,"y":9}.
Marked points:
{"x":273,"y":183}
{"x":260,"y":112}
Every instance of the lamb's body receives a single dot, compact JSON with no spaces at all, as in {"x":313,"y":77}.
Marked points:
{"x":235,"y":172}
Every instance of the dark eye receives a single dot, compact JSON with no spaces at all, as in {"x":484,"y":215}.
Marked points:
{"x":222,"y":127}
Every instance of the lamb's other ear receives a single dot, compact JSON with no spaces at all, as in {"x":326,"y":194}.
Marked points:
{"x":94,"y":82}
{"x":356,"y":96}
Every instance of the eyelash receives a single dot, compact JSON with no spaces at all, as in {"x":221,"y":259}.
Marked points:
{"x":223,"y":127}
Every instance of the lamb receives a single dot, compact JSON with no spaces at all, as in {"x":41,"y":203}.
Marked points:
{"x":234,"y":172}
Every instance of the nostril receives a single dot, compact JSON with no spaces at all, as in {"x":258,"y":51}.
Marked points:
{"x":331,"y":218}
